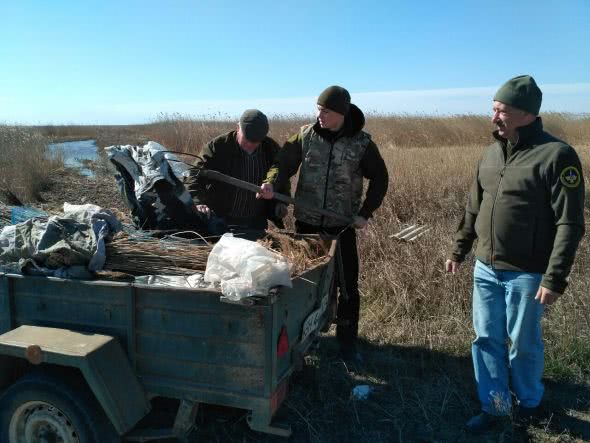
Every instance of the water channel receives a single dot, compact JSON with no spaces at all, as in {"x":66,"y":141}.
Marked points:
{"x":76,"y":154}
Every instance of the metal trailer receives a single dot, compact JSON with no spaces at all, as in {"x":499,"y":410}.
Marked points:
{"x":81,"y":361}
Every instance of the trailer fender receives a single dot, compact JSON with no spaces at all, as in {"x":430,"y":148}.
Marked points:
{"x":100,"y":359}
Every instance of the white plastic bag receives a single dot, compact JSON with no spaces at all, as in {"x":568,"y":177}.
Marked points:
{"x":245,"y":268}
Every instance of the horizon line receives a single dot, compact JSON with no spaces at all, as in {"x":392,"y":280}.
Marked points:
{"x":571,"y":98}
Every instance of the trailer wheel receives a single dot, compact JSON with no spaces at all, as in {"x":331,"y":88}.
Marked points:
{"x":42,"y":408}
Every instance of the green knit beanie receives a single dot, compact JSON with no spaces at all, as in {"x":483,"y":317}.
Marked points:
{"x":521,"y":92}
{"x":335,"y":98}
{"x":254,"y":125}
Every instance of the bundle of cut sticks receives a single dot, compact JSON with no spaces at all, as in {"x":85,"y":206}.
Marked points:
{"x":182,"y":257}
{"x":153,"y":256}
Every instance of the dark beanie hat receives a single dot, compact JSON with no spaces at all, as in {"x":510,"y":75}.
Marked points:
{"x":335,"y":98}
{"x":521,"y":92}
{"x":254,"y":125}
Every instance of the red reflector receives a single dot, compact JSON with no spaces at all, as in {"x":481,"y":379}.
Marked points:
{"x":283,"y":344}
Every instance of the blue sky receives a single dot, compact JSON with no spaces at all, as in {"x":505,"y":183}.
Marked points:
{"x":127,"y":61}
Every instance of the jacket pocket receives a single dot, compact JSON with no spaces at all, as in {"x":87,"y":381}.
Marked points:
{"x":514,"y":241}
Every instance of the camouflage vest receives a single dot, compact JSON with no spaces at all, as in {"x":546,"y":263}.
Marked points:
{"x":330,"y":176}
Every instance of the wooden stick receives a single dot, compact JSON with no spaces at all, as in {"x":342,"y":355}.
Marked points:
{"x":218,"y":176}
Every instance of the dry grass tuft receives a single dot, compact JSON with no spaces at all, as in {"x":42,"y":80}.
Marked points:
{"x":24,"y":165}
{"x":302,"y":253}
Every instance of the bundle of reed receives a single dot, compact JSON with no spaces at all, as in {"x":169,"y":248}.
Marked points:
{"x":302,"y":252}
{"x":153,"y":256}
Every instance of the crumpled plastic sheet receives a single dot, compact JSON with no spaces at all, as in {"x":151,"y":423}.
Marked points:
{"x":245,"y":268}
{"x":361,"y":392}
{"x":103,"y":222}
{"x":19,"y":214}
{"x":195,"y":281}
{"x":148,"y":164}
{"x":50,"y":245}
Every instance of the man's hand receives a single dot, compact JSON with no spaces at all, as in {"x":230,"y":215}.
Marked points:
{"x":359,"y":222}
{"x":266,"y":191}
{"x":452,"y":266}
{"x":204,"y":209}
{"x":546,"y":296}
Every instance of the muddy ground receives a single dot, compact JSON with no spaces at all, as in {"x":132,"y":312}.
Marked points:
{"x":67,"y":185}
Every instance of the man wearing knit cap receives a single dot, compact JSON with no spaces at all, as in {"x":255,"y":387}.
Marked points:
{"x":246,"y":154}
{"x":526,"y":209}
{"x":333,"y":157}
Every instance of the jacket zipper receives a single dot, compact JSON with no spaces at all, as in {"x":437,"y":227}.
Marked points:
{"x":327,"y":179}
{"x":492,"y":256}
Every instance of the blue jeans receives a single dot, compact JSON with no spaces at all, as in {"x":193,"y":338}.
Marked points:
{"x":508,"y":348}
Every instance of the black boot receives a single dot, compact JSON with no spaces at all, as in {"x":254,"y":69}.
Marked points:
{"x":350,"y":355}
{"x":485,"y":422}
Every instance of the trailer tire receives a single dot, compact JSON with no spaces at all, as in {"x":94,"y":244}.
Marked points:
{"x":48,"y":407}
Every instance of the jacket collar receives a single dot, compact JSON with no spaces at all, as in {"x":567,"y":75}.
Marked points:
{"x":526,"y":134}
{"x":353,"y":124}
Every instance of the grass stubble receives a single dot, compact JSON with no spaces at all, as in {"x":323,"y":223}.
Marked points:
{"x":415,"y":327}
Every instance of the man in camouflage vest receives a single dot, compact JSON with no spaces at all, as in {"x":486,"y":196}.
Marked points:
{"x":333,"y":157}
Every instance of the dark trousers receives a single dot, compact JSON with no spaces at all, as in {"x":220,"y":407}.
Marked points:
{"x":348,"y":308}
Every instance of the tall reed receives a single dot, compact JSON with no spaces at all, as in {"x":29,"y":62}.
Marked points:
{"x":25,"y":165}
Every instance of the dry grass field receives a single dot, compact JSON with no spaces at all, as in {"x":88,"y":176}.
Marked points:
{"x":24,"y":166}
{"x":415,"y":319}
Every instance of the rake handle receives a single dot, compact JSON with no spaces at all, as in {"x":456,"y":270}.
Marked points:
{"x":218,"y":176}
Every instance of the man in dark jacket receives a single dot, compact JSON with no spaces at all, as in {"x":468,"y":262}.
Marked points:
{"x":526,"y":209}
{"x":246,"y":154}
{"x":333,"y":157}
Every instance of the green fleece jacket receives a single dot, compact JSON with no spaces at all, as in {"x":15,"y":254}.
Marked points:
{"x":527,"y":210}
{"x":223,"y":154}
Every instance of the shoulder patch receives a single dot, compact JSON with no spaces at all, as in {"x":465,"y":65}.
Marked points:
{"x":570,"y":177}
